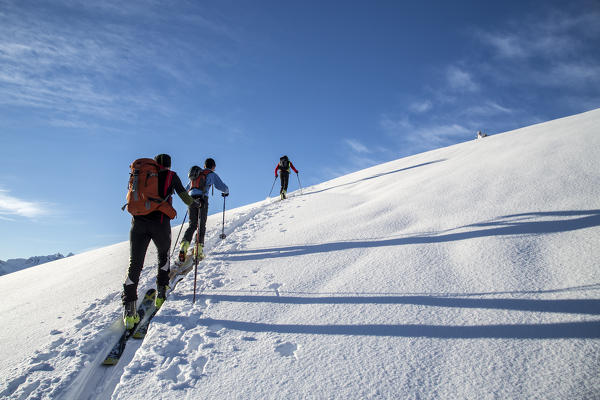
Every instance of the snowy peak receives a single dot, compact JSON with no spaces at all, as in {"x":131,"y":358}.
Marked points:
{"x":17,"y":264}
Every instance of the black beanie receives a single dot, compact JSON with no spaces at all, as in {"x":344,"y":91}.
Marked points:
{"x":164,"y":160}
{"x":209,"y":163}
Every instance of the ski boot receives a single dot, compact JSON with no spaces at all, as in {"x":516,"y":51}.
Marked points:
{"x":198,"y":249}
{"x":130,"y":315}
{"x":283,"y":196}
{"x":183,"y":250}
{"x":161,"y":295}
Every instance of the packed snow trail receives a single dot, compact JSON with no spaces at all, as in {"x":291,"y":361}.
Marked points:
{"x":73,"y":356}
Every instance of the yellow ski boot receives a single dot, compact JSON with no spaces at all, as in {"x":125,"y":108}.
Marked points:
{"x":183,"y":250}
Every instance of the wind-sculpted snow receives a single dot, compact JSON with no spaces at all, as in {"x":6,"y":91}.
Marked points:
{"x":465,"y":272}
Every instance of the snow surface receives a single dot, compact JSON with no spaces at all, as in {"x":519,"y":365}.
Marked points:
{"x":17,"y":264}
{"x":465,"y":272}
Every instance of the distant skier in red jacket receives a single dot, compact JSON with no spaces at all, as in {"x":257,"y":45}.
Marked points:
{"x":284,"y":166}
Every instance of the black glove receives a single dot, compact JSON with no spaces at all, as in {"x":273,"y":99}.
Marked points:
{"x":225,"y":194}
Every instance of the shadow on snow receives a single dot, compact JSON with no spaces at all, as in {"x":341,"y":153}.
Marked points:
{"x":517,"y":224}
{"x":373,"y":177}
{"x":568,"y":306}
{"x":554,"y":330}
{"x":558,"y":330}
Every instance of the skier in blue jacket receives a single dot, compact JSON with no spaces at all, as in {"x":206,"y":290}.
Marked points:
{"x":200,"y":182}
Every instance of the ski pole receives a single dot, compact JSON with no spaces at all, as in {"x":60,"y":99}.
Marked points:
{"x":299,"y":184}
{"x":272,"y":186}
{"x":180,"y":229}
{"x":196,"y":257}
{"x":223,"y":235}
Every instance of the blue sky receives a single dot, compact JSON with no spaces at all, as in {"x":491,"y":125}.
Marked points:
{"x":86,"y":88}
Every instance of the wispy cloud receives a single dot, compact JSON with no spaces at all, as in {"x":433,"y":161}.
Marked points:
{"x":555,"y":49}
{"x":512,"y":70}
{"x":13,"y":206}
{"x":505,"y":45}
{"x":486,"y":109}
{"x":421,"y":136}
{"x":356,"y":146}
{"x":460,"y":79}
{"x":421,"y":106}
{"x":94,"y":61}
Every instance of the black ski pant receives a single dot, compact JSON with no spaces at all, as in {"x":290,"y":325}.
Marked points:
{"x":285,"y":177}
{"x":195,"y":212}
{"x":143,"y":230}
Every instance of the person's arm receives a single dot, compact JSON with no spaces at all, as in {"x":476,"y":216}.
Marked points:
{"x":292,"y":165}
{"x":181,"y":191}
{"x":213,"y":179}
{"x":276,"y":168}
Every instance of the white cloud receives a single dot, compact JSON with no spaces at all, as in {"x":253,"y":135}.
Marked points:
{"x":487,"y":109}
{"x":552,"y":36}
{"x":413,"y":137}
{"x":356,"y":146}
{"x":10,"y":205}
{"x":90,"y":64}
{"x":509,"y":46}
{"x":421,"y":107}
{"x":460,"y":79}
{"x":575,"y":73}
{"x":394,"y":125}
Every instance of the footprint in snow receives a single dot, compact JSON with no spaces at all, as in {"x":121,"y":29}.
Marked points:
{"x":275,"y":287}
{"x":287,"y":349}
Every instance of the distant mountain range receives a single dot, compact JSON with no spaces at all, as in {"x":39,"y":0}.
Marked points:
{"x":17,"y":264}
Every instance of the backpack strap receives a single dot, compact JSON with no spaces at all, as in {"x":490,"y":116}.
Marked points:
{"x":168,"y":181}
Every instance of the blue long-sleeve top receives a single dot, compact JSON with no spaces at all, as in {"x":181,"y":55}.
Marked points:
{"x":211,"y":179}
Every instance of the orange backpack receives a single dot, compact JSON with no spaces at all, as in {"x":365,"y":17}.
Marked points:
{"x":198,"y":178}
{"x":143,"y":195}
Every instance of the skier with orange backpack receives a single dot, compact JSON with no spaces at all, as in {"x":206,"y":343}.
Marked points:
{"x":151,"y":185}
{"x":200,"y":182}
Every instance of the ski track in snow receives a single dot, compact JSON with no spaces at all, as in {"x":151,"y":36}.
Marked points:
{"x":181,"y":334}
{"x":76,"y":354}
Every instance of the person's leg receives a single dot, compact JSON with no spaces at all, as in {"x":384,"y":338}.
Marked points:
{"x":285,"y":176}
{"x":282,"y":180}
{"x":203,"y":217}
{"x":192,"y":225}
{"x":139,"y":238}
{"x":161,"y":236}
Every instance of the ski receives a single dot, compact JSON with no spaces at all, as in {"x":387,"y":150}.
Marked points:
{"x":142,"y":329}
{"x":147,"y":310}
{"x":117,"y":350}
{"x":181,"y":268}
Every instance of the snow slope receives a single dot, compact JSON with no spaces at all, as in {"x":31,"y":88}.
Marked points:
{"x":465,"y":272}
